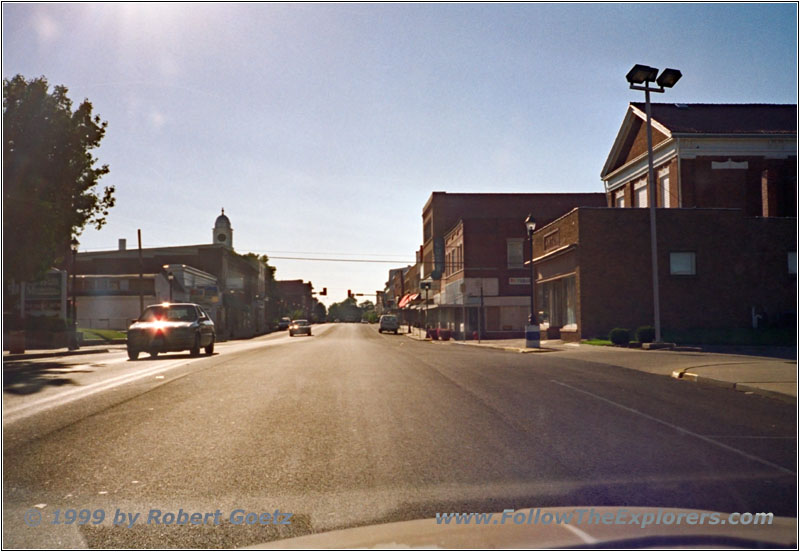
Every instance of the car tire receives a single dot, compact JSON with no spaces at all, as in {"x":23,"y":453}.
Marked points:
{"x":153,"y":353}
{"x":380,"y":331}
{"x":210,"y":347}
{"x":133,"y":354}
{"x":195,"y":350}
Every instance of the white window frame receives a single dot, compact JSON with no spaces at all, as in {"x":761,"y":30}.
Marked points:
{"x":663,"y":185}
{"x":675,"y":259}
{"x":619,"y":199}
{"x":637,"y":190}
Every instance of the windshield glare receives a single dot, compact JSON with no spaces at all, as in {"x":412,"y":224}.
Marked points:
{"x":171,"y":313}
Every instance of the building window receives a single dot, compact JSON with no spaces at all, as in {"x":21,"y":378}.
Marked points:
{"x":619,"y":199}
{"x":792,"y":259}
{"x":663,"y":184}
{"x":682,"y":263}
{"x":514,"y":251}
{"x":640,"y":194}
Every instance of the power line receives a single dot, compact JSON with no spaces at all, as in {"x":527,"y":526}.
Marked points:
{"x":267,"y":252}
{"x":340,"y":260}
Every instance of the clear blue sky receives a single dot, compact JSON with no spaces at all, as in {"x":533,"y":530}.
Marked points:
{"x":323,"y":128}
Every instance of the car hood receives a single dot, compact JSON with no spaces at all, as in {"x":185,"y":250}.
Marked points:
{"x":160,"y":325}
{"x":428,"y":533}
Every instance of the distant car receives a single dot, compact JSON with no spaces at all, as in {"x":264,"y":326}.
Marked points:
{"x":299,"y":327}
{"x":171,"y":327}
{"x":284,"y":323}
{"x":388,"y":323}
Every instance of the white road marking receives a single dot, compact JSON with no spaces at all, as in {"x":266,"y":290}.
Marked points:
{"x":583,"y":535}
{"x":29,"y":408}
{"x":681,"y":429}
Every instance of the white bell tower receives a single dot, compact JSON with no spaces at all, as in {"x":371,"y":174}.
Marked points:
{"x":223,"y":233}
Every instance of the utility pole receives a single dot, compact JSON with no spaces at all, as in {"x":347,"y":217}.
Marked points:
{"x":141,"y":273}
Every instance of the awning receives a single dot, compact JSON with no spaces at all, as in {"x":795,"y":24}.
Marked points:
{"x":407,"y":298}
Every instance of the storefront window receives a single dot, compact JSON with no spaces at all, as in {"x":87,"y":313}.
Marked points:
{"x":556,"y":300}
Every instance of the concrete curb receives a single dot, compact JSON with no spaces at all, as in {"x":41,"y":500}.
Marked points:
{"x":474,"y":344}
{"x":31,"y":356}
{"x":503,"y":348}
{"x":685,"y":375}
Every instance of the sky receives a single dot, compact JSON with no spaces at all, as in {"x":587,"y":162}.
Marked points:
{"x":322,"y":129}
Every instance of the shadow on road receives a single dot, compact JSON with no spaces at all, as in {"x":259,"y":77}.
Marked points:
{"x":27,"y":378}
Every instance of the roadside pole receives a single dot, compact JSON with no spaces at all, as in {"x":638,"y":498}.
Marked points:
{"x":141,"y":273}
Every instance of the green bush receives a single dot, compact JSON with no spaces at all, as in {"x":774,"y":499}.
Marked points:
{"x":645,"y":334}
{"x":619,"y":336}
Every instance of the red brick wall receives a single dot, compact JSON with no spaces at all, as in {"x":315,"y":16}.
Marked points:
{"x":703,"y":186}
{"x":639,"y":145}
{"x":485,"y":247}
{"x":741,"y":262}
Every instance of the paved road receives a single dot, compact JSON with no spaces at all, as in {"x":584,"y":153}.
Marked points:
{"x":351,"y":427}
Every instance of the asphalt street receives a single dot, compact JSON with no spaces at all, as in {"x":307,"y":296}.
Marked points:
{"x":351,"y":427}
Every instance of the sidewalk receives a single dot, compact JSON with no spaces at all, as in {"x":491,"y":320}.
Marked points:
{"x":30,"y":354}
{"x":771,"y":377}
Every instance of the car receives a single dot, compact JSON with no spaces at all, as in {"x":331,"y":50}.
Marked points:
{"x":170,"y":327}
{"x":388,"y":323}
{"x":284,"y":323}
{"x":299,"y":327}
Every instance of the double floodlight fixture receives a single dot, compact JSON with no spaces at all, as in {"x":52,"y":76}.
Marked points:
{"x":644,"y":74}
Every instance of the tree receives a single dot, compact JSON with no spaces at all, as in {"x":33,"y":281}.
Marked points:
{"x":319,"y":312}
{"x":49,"y":175}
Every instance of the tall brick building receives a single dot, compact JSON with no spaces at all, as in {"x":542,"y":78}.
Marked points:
{"x":473,"y":249}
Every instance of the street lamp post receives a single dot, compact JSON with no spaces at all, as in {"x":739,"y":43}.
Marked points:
{"x":640,"y":78}
{"x":426,"y":285}
{"x":532,"y":335}
{"x":73,"y":340}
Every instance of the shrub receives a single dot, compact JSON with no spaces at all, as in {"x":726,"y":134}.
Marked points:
{"x":619,"y":336}
{"x":645,"y":334}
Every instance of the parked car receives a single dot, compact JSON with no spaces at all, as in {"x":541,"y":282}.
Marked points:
{"x":388,"y":323}
{"x":171,"y":327}
{"x":299,"y":327}
{"x":284,"y":323}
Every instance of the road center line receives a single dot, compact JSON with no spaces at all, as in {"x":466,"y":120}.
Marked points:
{"x":681,"y":429}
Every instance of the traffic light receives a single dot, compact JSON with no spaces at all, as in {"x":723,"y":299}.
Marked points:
{"x":349,"y":294}
{"x":324,"y":291}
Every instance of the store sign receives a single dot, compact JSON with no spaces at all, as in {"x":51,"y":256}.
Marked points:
{"x":519,"y":281}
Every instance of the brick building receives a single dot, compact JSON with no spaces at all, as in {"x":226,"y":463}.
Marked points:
{"x":708,"y":155}
{"x":718,"y":268}
{"x":241,"y":280}
{"x":295,"y":295}
{"x":726,"y":227}
{"x":473,"y":247}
